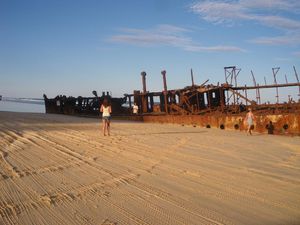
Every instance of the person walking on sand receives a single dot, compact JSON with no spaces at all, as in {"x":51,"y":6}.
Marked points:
{"x":249,"y":119}
{"x":106,"y":111}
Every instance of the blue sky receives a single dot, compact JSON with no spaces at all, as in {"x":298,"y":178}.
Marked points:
{"x":73,"y":47}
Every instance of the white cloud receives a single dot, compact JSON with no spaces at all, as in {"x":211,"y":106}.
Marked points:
{"x":270,"y":13}
{"x":284,"y":5}
{"x":253,"y":10}
{"x":167,"y":35}
{"x":219,"y":12}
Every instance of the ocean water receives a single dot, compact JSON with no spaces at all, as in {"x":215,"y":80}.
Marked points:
{"x":22,"y":106}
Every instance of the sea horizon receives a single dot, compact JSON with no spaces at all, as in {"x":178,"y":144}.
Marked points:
{"x":22,"y":105}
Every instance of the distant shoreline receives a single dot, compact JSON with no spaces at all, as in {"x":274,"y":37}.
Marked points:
{"x":24,"y":100}
{"x":15,"y":105}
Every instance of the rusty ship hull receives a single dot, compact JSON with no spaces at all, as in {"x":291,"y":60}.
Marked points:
{"x":284,"y":123}
{"x":222,"y":106}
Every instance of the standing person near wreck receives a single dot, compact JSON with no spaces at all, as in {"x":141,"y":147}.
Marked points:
{"x":249,"y":119}
{"x":135,"y":109}
{"x":106,"y":111}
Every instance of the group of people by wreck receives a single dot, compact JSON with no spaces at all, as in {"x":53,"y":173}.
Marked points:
{"x":106,"y":111}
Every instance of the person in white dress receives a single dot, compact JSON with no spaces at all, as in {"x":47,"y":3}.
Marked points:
{"x":249,"y":120}
{"x":135,"y":109}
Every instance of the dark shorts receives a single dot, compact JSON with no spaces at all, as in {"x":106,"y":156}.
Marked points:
{"x":106,"y":118}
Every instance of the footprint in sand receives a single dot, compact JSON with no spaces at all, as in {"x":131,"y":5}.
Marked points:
{"x":108,"y":222}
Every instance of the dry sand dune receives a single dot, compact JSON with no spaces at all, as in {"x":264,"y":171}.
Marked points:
{"x":57,"y":169}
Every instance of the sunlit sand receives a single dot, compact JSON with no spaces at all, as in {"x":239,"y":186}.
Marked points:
{"x":57,"y":169}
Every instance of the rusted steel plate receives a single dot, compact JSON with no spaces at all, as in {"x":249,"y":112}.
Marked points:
{"x":283,"y":123}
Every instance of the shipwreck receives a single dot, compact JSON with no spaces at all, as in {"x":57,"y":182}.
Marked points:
{"x":222,"y":105}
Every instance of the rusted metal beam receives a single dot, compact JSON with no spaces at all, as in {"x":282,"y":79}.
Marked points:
{"x":241,"y":96}
{"x":267,"y":86}
{"x":297,"y":78}
{"x":178,"y":109}
{"x":256,"y":88}
{"x":275,"y":71}
{"x":246,"y":94}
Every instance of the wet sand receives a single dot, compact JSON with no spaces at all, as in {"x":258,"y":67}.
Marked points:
{"x":57,"y":169}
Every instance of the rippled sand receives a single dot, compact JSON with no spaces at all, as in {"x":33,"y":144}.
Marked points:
{"x":57,"y":169}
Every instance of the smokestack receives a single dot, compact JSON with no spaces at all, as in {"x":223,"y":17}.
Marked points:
{"x":165,"y":90}
{"x":192,"y":77}
{"x":164,"y":79}
{"x":144,"y":81}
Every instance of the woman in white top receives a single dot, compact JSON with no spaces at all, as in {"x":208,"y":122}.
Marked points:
{"x":106,"y":111}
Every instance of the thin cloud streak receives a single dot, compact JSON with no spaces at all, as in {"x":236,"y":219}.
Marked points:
{"x":283,"y":59}
{"x":219,"y":48}
{"x":278,"y":22}
{"x":297,"y":54}
{"x":167,"y":35}
{"x":291,"y":39}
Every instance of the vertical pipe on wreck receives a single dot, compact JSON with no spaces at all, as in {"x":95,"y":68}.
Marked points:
{"x":143,"y":74}
{"x":144,"y":97}
{"x":165,"y":89}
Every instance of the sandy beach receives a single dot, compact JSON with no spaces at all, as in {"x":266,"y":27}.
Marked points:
{"x":57,"y":169}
